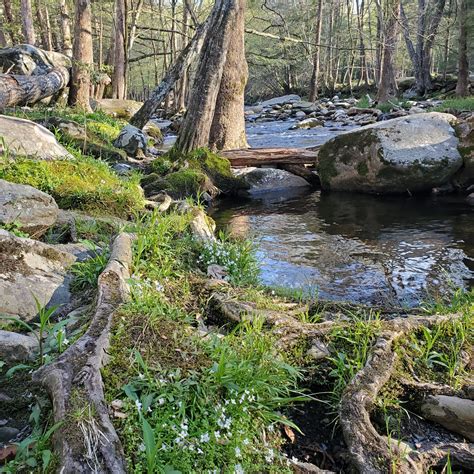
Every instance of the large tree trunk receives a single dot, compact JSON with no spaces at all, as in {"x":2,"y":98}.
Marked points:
{"x":313,"y":95}
{"x":228,"y":125}
{"x":24,"y":90}
{"x":463,"y":64}
{"x":118,"y":77}
{"x":27,"y":22}
{"x":196,"y":128}
{"x":388,"y":85}
{"x":7,"y":4}
{"x":82,"y":56}
{"x":65,"y":28}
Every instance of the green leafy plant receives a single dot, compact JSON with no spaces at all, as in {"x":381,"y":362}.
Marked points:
{"x":15,"y":228}
{"x":87,"y":272}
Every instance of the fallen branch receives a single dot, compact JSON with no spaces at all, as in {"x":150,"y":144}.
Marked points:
{"x":270,"y":156}
{"x":86,"y":441}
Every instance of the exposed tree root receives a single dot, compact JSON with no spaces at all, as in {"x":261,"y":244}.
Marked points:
{"x":371,"y":452}
{"x":86,"y":440}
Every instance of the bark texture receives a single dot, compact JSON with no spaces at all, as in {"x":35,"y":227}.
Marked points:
{"x":196,"y":128}
{"x":65,"y":28}
{"x":270,"y":156}
{"x":313,"y":95}
{"x":82,"y":56}
{"x":119,"y":74}
{"x":74,"y":382}
{"x":463,"y":64}
{"x":228,"y":125}
{"x":27,"y":22}
{"x":25,"y":90}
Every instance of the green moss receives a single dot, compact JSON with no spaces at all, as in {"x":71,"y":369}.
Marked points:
{"x":180,"y":184}
{"x":84,"y":184}
{"x":362,"y":168}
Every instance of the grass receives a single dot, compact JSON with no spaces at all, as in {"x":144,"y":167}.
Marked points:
{"x":81,"y":183}
{"x":457,"y":105}
{"x":86,"y":273}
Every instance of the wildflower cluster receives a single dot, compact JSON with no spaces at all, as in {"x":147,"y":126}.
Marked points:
{"x":236,"y":256}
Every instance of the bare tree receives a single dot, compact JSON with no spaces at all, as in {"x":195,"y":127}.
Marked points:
{"x":7,"y":4}
{"x":27,"y":22}
{"x":82,"y":56}
{"x":65,"y":28}
{"x":120,"y":68}
{"x":313,"y":95}
{"x":463,"y":64}
{"x":387,"y":83}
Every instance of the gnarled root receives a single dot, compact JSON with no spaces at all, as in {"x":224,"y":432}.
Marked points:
{"x":372,"y":453}
{"x":86,"y":440}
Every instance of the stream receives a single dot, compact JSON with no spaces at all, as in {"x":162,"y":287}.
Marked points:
{"x":391,"y":250}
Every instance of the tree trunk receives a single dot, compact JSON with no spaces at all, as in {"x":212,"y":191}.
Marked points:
{"x":82,"y":56}
{"x":228,"y":125}
{"x":7,"y":4}
{"x":313,"y":95}
{"x":463,"y":64}
{"x":27,"y":22}
{"x":65,"y":28}
{"x":196,"y":128}
{"x":24,"y":90}
{"x":3,"y":39}
{"x":388,"y":85}
{"x":119,"y":74}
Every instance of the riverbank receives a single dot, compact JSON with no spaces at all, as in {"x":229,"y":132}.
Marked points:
{"x":209,"y":370}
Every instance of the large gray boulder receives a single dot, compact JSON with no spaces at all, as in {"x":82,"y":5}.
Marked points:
{"x":30,"y":269}
{"x":265,"y":180}
{"x":33,"y":210}
{"x":413,"y":153}
{"x":133,"y":140}
{"x":19,"y":137}
{"x":15,"y":347}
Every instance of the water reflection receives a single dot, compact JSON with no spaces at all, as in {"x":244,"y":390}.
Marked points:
{"x":360,"y":248}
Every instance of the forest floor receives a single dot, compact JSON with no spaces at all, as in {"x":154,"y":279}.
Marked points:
{"x":212,"y":372}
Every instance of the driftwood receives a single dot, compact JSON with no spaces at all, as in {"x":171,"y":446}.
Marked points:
{"x":271,"y":157}
{"x":86,"y":440}
{"x":372,"y":453}
{"x":23,"y":90}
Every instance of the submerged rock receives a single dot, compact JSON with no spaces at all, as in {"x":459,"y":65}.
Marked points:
{"x":407,"y":154}
{"x":30,"y":269}
{"x":264,"y":180}
{"x":28,"y":139}
{"x":34,"y":211}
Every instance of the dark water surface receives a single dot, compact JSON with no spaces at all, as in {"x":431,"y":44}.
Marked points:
{"x":360,"y":248}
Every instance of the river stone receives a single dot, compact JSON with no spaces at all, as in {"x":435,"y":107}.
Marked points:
{"x":307,"y":124}
{"x":118,"y":108}
{"x":15,"y":347}
{"x":414,"y":153}
{"x":285,"y":99}
{"x":20,"y":137}
{"x":132,"y":140}
{"x":264,"y":180}
{"x":30,"y":268}
{"x":465,"y":132}
{"x":32,"y":209}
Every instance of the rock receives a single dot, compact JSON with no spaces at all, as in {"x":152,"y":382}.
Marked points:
{"x":30,"y":268}
{"x":465,"y":132}
{"x":202,"y":227}
{"x":122,"y":169}
{"x":33,"y":210}
{"x":28,"y":139}
{"x":118,"y":108}
{"x":414,"y":153}
{"x":153,"y":131}
{"x":470,"y":199}
{"x":16,"y":347}
{"x":133,"y":140}
{"x":300,"y":114}
{"x":307,"y":123}
{"x":8,"y":433}
{"x":302,"y":105}
{"x":454,"y":413}
{"x":359,"y":111}
{"x":263,"y":180}
{"x":285,"y":99}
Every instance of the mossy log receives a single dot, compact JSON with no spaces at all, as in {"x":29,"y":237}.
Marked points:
{"x":271,"y":156}
{"x":17,"y":90}
{"x":86,"y":440}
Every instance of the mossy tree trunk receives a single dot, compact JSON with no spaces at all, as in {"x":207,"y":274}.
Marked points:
{"x":215,"y":115}
{"x":82,"y":56}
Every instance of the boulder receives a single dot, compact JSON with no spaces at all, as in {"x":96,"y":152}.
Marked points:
{"x":132,"y":140}
{"x":30,"y":269}
{"x":465,"y":132}
{"x":285,"y":99}
{"x":307,"y":124}
{"x":34,"y":211}
{"x":16,"y":347}
{"x":264,"y":180}
{"x":21,"y":137}
{"x":117,"y":108}
{"x":407,"y":154}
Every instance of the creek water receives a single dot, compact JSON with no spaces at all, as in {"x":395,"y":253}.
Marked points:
{"x":369,"y":249}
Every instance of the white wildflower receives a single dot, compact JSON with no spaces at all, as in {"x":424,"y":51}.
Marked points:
{"x":238,"y":469}
{"x":205,"y":438}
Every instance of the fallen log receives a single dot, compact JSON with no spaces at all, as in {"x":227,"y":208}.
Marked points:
{"x":270,"y":157}
{"x":22,"y":90}
{"x":86,"y":440}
